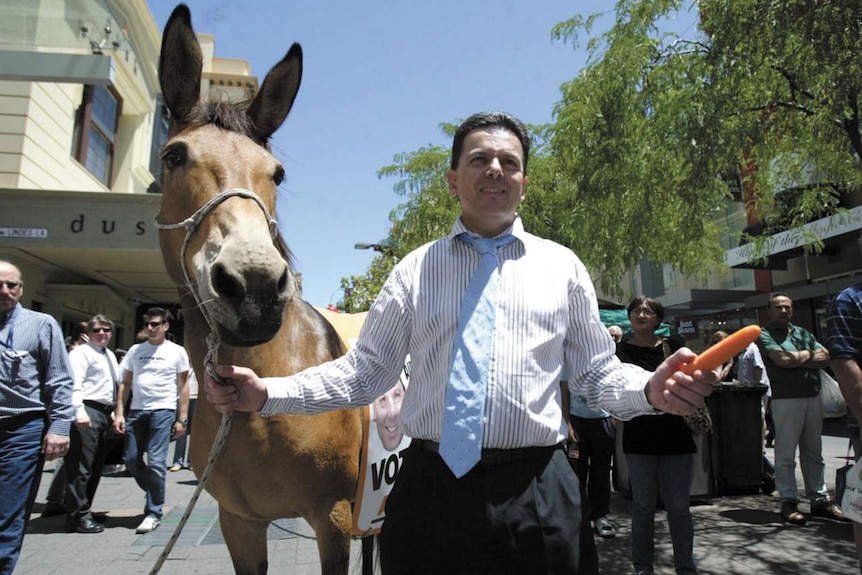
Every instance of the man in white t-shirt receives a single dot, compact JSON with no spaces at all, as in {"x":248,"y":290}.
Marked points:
{"x":156,"y":372}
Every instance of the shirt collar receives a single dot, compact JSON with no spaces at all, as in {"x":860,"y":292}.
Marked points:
{"x":516,"y":229}
{"x":6,"y":317}
{"x":96,"y":347}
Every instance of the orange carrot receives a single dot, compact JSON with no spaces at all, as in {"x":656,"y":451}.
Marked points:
{"x":724,"y":350}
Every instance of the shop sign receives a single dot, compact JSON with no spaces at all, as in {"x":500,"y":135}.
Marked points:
{"x":23,"y":232}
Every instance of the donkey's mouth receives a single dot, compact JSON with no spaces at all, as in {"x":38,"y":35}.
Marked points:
{"x":248,"y":335}
{"x":252,"y":322}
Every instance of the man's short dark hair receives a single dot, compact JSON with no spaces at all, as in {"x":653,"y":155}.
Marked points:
{"x":157,"y":312}
{"x":487,"y":120}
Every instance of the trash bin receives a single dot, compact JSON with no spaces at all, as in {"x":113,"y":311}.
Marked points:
{"x":702,"y":482}
{"x":737,"y":438}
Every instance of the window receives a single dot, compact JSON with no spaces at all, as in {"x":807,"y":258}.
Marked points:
{"x":96,"y":131}
{"x":160,"y":138}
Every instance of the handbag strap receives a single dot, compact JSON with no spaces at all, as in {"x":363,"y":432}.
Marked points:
{"x":665,"y":348}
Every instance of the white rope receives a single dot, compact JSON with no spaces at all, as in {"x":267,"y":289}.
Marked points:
{"x":191,"y":225}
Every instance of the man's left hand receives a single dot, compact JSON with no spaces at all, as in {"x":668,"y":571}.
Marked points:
{"x":672,"y":391}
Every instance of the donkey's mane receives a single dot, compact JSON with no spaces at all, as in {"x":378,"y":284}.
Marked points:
{"x":226,"y":115}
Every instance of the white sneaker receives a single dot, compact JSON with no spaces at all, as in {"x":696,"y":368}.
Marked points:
{"x":150,"y":523}
{"x":604,"y":527}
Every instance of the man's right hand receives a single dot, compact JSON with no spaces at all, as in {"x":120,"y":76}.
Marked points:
{"x":83,"y":422}
{"x":244,"y":390}
{"x":119,"y":424}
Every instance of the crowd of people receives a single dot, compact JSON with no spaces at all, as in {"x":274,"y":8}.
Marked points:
{"x":64,"y":398}
{"x":517,"y":394}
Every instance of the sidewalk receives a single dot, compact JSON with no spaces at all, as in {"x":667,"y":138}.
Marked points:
{"x":733,"y":535}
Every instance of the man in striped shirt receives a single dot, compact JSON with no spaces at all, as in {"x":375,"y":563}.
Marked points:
{"x":35,"y":408}
{"x":518,"y":509}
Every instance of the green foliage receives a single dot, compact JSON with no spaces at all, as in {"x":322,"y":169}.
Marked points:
{"x":360,"y":291}
{"x":644,"y":131}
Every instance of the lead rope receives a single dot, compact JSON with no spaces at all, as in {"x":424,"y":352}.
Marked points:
{"x":210,"y":359}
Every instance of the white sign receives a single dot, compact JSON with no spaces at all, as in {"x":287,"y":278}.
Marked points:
{"x":23,"y":232}
{"x":834,"y":225}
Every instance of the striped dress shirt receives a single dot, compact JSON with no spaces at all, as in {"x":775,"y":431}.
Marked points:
{"x":547,"y":330}
{"x":35,"y":376}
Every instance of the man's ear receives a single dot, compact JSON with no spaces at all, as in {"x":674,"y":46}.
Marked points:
{"x":451,"y":176}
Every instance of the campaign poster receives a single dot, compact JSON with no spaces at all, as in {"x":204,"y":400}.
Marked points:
{"x":382,"y":450}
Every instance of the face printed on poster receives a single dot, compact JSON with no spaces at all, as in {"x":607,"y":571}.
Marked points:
{"x":382,"y":450}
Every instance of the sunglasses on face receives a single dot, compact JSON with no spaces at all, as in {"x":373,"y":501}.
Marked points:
{"x":11,"y":285}
{"x":101,"y":330}
{"x":153,"y":323}
{"x":645,"y":311}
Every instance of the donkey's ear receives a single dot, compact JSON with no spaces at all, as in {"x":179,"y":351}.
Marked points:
{"x":180,"y":65}
{"x":272,"y":104}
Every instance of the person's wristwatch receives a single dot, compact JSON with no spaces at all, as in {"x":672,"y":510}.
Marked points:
{"x":184,"y":422}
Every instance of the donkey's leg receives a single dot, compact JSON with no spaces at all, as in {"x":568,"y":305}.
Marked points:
{"x":332,"y":528}
{"x":246,"y":541}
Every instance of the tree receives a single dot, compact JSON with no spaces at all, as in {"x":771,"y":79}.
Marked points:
{"x":427,"y":213}
{"x":360,"y":291}
{"x":651,"y":131}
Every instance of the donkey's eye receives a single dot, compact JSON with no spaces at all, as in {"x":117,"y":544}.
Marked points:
{"x":278,"y":176}
{"x":174,"y":157}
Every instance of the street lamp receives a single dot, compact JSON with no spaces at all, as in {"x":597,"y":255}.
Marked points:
{"x":379,"y":248}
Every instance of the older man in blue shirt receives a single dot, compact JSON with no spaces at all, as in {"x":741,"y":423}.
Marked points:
{"x":35,"y":408}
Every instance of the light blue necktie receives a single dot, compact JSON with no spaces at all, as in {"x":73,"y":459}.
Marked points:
{"x":461,"y":437}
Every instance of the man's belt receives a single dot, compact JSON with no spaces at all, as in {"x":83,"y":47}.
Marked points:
{"x":98,"y":406}
{"x":495,"y":456}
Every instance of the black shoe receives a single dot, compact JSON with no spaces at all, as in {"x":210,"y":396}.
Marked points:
{"x":85,"y":526}
{"x":828,"y":510}
{"x":790,"y":513}
{"x":100,"y":516}
{"x":53,"y":511}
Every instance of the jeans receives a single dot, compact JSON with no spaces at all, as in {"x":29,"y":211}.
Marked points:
{"x":799,"y":422}
{"x":149,"y":432}
{"x":672,"y":475}
{"x":20,"y":471}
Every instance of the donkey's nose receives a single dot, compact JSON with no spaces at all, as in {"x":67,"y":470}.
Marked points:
{"x":236,"y":283}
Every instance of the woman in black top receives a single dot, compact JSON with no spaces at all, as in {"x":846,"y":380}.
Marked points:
{"x":658,"y":452}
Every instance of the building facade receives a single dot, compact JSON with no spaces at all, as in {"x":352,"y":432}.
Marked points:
{"x":81,"y":126}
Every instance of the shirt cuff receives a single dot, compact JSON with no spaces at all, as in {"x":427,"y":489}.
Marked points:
{"x":642,"y":404}
{"x":283,"y":395}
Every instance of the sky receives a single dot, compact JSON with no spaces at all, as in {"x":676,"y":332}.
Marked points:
{"x":379,"y":77}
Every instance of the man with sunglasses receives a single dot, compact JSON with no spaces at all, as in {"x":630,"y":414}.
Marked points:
{"x":35,"y":408}
{"x":156,"y":372}
{"x":95,"y":369}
